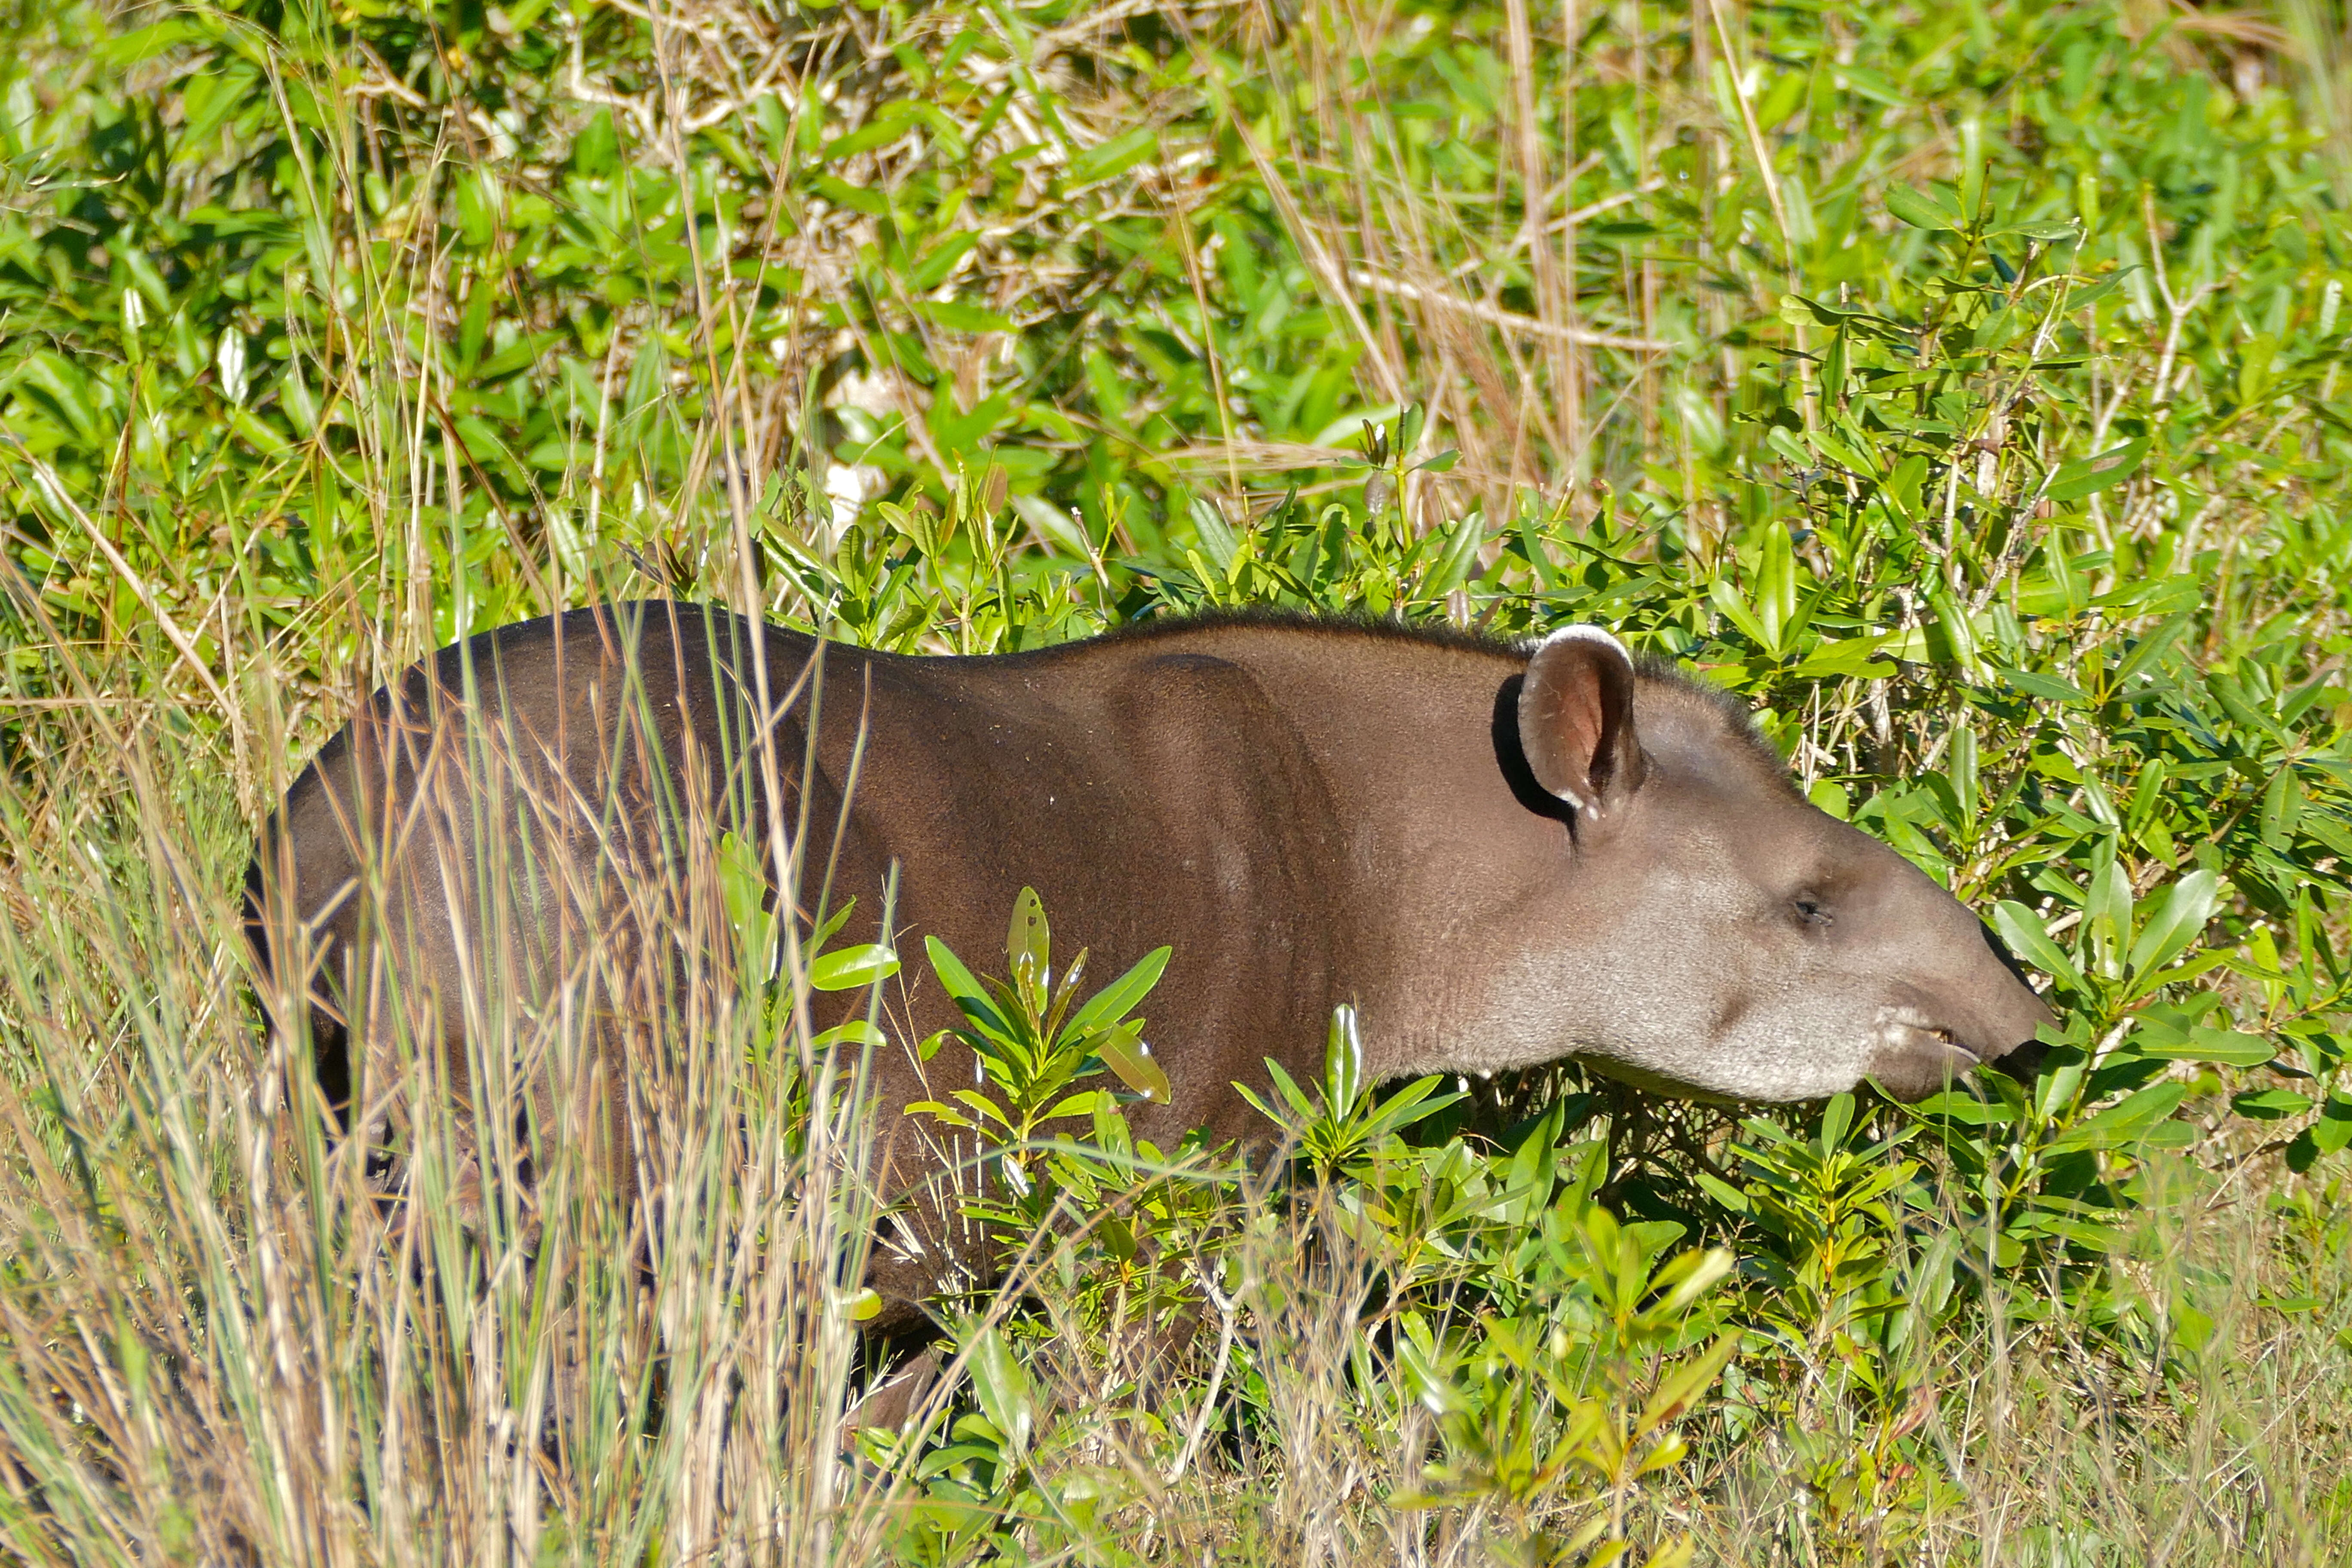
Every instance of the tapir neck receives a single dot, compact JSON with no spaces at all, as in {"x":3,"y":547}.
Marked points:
{"x":1444,"y":861}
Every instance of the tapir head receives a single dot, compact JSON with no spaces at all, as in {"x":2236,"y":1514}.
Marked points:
{"x":1733,"y":939}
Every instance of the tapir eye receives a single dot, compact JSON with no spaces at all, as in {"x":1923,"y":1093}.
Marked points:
{"x":1812,"y":911}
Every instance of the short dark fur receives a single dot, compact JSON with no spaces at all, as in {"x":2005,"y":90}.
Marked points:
{"x":1738,"y":718}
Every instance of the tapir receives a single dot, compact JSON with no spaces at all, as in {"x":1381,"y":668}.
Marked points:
{"x":1499,"y":854}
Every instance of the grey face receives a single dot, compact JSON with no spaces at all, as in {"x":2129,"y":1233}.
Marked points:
{"x":1732,"y":940}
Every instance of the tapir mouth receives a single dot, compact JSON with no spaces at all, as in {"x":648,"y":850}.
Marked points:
{"x":1944,"y":1037}
{"x":1917,"y":1055}
{"x":1904,"y":1026}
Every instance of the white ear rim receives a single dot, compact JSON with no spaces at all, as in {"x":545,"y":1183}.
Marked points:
{"x":1585,"y":805}
{"x":1583,"y":632}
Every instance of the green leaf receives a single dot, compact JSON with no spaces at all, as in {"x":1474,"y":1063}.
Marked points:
{"x":1735,"y":610}
{"x":847,"y":968}
{"x":1416,"y":1102}
{"x":2088,"y":298}
{"x":965,"y":991}
{"x":2088,"y":476}
{"x":2022,"y":930}
{"x":988,"y":1109}
{"x":524,"y":354}
{"x":2121,"y":1124}
{"x":1921,"y":210}
{"x":1690,"y":1276}
{"x":1836,"y":1117}
{"x":1528,"y":1183}
{"x":877,"y":134}
{"x":1863,"y":657}
{"x":1001,"y":1384}
{"x":2152,"y":646}
{"x":1028,"y":945}
{"x":2041,"y":231}
{"x":857,"y":1031}
{"x":2254,"y":376}
{"x":1115,"y":156}
{"x":1343,"y":1060}
{"x":2224,"y":1048}
{"x":842,"y":194}
{"x":1118,"y":999}
{"x":2271,"y":1104}
{"x":2175,"y":923}
{"x":2334,"y":1128}
{"x":1722,"y":1192}
{"x":143,"y":44}
{"x":1123,"y":1051}
{"x":1085,"y":1103}
{"x":2049,"y":688}
{"x":939,"y":261}
{"x":1685,"y":1381}
{"x":1459,"y":557}
{"x":962,"y":318}
{"x":1961,"y":1104}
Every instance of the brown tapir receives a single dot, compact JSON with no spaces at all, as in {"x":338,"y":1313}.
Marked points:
{"x":1501,"y":855}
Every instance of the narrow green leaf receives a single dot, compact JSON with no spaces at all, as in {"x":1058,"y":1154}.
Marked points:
{"x":1343,"y":1060}
{"x":2175,"y":923}
{"x":2123,"y":1123}
{"x":1683,"y":1385}
{"x":1120,"y":997}
{"x":2151,"y":647}
{"x":847,"y":968}
{"x":1028,"y":945}
{"x":857,"y":1031}
{"x":963,"y":989}
{"x":1123,"y":1050}
{"x":2088,"y":476}
{"x":1919,"y":209}
{"x":2224,"y":1048}
{"x":2044,"y":231}
{"x":2022,"y":930}
{"x":1085,"y":1103}
{"x":2271,"y":1104}
{"x":1001,"y":1384}
{"x":957,"y":316}
{"x":1115,"y":156}
{"x":2048,"y":688}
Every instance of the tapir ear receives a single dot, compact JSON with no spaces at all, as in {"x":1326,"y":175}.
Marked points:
{"x":1576,"y":720}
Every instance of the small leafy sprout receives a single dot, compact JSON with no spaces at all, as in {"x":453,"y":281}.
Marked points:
{"x":1032,"y":1045}
{"x":1347,"y":1124}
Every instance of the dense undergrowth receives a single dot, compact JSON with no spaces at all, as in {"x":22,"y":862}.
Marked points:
{"x":1961,"y":384}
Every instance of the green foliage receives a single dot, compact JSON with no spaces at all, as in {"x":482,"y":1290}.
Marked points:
{"x":1031,"y":1046}
{"x":1961,"y":385}
{"x":1559,"y":1351}
{"x":1349,"y":1124}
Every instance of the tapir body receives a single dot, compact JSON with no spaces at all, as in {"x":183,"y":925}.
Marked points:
{"x":1499,"y":854}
